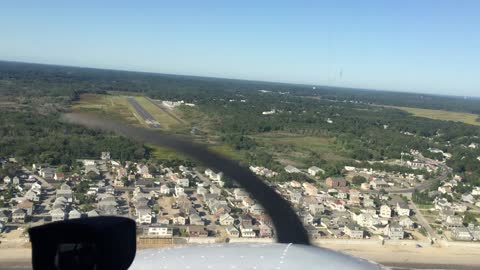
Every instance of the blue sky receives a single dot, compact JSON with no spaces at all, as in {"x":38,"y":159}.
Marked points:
{"x":419,"y":46}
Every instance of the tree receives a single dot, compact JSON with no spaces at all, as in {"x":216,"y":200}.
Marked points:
{"x":358,"y":180}
{"x":470,"y":218}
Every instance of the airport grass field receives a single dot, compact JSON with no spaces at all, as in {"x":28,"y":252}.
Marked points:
{"x":467,"y":118}
{"x":117,"y":107}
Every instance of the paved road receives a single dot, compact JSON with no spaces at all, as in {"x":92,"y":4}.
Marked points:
{"x":432,"y":234}
{"x":424,"y":222}
{"x":151,"y":122}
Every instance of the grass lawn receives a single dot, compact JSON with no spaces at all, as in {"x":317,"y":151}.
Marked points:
{"x":294,"y":149}
{"x":467,"y":118}
{"x":227,"y":151}
{"x":106,"y":106}
{"x":160,"y":152}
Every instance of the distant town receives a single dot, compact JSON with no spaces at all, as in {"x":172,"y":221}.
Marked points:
{"x":181,"y":204}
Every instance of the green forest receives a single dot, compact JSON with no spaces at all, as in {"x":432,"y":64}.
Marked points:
{"x":32,"y":98}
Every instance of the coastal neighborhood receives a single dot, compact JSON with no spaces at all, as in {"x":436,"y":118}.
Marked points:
{"x":180,"y":202}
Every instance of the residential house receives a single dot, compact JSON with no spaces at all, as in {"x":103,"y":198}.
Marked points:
{"x":160,"y":230}
{"x":26,"y":205}
{"x":461,"y":234}
{"x":66,"y":192}
{"x":257,"y":209}
{"x":365,"y":186}
{"x":226,"y":219}
{"x":316,"y":209}
{"x":144,"y":171}
{"x":195,"y":219}
{"x":59,"y":202}
{"x":368,"y":202}
{"x":74,"y":213}
{"x":354,"y":197}
{"x":453,"y":221}
{"x":19,"y":216}
{"x":179,"y":219}
{"x":313,"y":171}
{"x":248,"y":202}
{"x":265,"y":231}
{"x":215,"y":190}
{"x":337,"y":205}
{"x":144,"y":215}
{"x":7,"y":180}
{"x":59,"y":176}
{"x":291,"y":169}
{"x":379,"y":184}
{"x":335,"y":182}
{"x":305,"y":217}
{"x":310,"y":189}
{"x":201,"y":191}
{"x":197,"y":231}
{"x":109,"y":190}
{"x":15,"y":181}
{"x":32,"y":196}
{"x":295,"y":197}
{"x":92,"y":213}
{"x":353,"y":231}
{"x":57,"y":214}
{"x":468,"y":198}
{"x":3,"y":217}
{"x":240,"y":194}
{"x":406,"y":223}
{"x":183,"y":182}
{"x":265,"y":219}
{"x":218,"y":207}
{"x":245,"y":220}
{"x":295,"y":184}
{"x":247,"y":231}
{"x":394,"y":232}
{"x":47,"y":173}
{"x":179,"y":191}
{"x":105,"y":156}
{"x":214,"y":176}
{"x":385,"y":211}
{"x":459,"y":208}
{"x":164,"y":189}
{"x":165,"y":220}
{"x":366,"y":220}
{"x":402,"y":209}
{"x":440,"y":203}
{"x":232,"y":231}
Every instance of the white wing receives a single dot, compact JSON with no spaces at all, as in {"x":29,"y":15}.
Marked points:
{"x":247,"y":256}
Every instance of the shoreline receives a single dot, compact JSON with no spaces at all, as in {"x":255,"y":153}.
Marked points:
{"x":391,"y":256}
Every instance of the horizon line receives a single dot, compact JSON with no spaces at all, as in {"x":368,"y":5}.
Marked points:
{"x":311,"y":85}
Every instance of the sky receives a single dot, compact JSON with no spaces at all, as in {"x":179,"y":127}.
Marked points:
{"x":427,"y":46}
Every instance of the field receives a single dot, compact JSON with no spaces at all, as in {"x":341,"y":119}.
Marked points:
{"x":106,"y":106}
{"x":294,"y":149}
{"x":117,"y":107}
{"x":160,"y":152}
{"x":467,"y":118}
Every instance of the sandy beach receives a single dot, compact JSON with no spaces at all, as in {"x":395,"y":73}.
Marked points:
{"x":411,"y":257}
{"x":398,"y":256}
